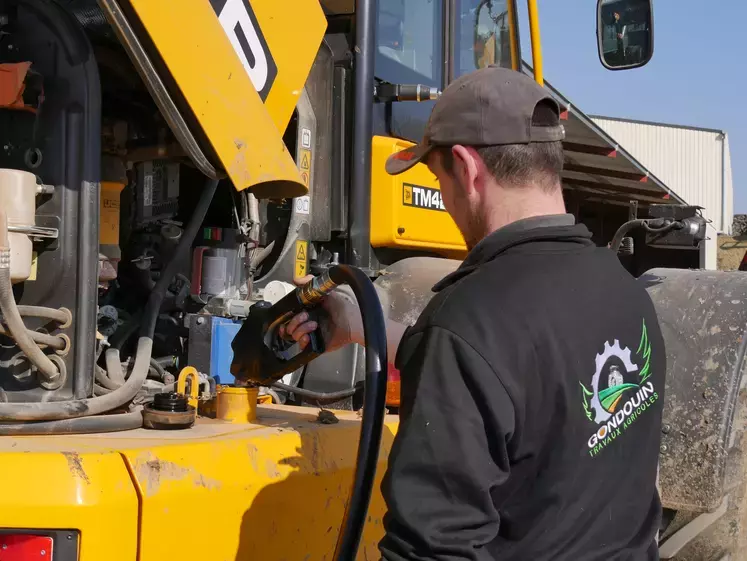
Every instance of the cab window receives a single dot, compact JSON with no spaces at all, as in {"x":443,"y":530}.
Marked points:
{"x":482,"y":35}
{"x":409,"y":50}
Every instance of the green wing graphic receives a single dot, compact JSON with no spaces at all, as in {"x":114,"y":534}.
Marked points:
{"x":586,"y":394}
{"x":645,"y":348}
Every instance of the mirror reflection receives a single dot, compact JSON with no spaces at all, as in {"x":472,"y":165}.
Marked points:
{"x":625,"y":33}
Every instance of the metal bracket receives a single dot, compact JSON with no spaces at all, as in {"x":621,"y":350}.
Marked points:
{"x":35,"y":231}
{"x":691,"y":530}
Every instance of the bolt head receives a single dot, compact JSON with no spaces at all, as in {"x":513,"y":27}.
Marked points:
{"x":663,"y":448}
{"x":200,"y":321}
{"x":666,"y":428}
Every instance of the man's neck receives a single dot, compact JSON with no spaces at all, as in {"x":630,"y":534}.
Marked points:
{"x":524,"y":205}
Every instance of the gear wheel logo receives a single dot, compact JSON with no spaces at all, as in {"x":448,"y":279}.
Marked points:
{"x":608,"y":384}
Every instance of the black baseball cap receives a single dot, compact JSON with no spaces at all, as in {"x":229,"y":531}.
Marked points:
{"x":490,"y":106}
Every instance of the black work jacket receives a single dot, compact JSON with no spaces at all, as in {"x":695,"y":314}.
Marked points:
{"x":531,"y":402}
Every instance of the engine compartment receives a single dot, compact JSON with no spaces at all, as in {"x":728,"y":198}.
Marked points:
{"x":84,"y":134}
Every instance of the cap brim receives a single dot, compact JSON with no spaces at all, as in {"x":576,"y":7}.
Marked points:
{"x":405,"y":159}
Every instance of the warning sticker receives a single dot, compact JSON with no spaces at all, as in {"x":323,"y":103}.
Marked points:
{"x":34,"y":261}
{"x":305,"y":178}
{"x":306,"y":138}
{"x":305,"y":160}
{"x":303,"y":204}
{"x":301,"y":268}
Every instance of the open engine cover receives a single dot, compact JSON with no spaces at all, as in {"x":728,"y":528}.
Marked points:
{"x":703,"y":316}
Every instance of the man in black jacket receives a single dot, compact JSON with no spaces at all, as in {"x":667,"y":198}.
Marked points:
{"x":532,"y":383}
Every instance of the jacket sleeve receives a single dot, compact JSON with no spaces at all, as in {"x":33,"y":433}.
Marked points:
{"x":449,"y":454}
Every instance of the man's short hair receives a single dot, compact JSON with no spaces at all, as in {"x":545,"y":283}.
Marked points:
{"x":519,"y":164}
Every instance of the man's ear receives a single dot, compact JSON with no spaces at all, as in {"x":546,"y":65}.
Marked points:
{"x":466,"y":166}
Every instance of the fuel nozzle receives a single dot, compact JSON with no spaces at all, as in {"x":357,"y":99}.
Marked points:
{"x":261,"y":356}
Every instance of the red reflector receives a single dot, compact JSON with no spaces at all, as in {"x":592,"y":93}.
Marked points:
{"x":392,"y":388}
{"x":25,"y":547}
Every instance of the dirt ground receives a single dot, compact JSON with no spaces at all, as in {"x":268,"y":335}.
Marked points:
{"x":730,"y":252}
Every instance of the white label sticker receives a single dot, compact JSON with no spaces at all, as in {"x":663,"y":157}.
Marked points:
{"x":306,"y":138}
{"x":303,"y":205}
{"x":148,"y":190}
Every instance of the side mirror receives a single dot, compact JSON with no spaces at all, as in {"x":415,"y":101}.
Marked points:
{"x":625,"y":33}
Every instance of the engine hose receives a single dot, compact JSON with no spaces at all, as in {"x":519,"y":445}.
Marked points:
{"x":51,"y":341}
{"x":46,"y":368}
{"x":59,"y":410}
{"x":79,"y":425}
{"x":374,"y":407}
{"x":61,"y":315}
{"x":321,"y":396}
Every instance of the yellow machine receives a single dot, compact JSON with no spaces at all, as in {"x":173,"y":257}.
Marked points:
{"x":167,"y":169}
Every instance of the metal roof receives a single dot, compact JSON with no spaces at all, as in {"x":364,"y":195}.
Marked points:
{"x":597,"y":167}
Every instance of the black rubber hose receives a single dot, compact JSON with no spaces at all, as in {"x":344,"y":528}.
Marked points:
{"x":653,"y":225}
{"x":374,"y":407}
{"x":622,"y":230}
{"x":321,"y":396}
{"x":150,"y":315}
{"x":80,"y":425}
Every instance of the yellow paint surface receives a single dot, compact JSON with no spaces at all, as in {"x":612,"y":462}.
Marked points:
{"x":245,"y":134}
{"x":272,"y":490}
{"x":395,"y":221}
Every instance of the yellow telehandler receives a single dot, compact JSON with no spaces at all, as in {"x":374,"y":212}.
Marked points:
{"x":167,"y":169}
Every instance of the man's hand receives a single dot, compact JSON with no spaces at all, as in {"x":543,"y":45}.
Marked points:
{"x":340,"y":320}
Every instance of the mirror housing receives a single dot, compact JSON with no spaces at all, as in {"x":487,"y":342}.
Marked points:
{"x":625,"y":33}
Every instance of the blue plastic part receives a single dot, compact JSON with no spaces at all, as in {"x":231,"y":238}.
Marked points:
{"x":221,"y":353}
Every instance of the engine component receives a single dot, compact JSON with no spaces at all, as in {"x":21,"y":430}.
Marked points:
{"x":18,"y":200}
{"x":218,"y":269}
{"x":237,"y":404}
{"x":209,"y":348}
{"x":157,"y":187}
{"x":169,"y":411}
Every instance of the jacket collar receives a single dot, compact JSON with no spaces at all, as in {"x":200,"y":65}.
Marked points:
{"x":536,"y":228}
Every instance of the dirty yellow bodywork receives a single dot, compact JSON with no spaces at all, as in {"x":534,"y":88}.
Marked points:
{"x":273,"y":490}
{"x":241,"y":100}
{"x":406,"y":209}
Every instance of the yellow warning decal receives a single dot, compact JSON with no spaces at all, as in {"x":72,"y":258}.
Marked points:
{"x":301,"y":268}
{"x":305,"y":160}
{"x":32,"y":274}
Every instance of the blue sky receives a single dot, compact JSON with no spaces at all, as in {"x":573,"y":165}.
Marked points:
{"x":696,"y":76}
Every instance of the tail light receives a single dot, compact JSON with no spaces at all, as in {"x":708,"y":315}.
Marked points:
{"x":26,"y":547}
{"x":392,"y":386}
{"x":38,"y":545}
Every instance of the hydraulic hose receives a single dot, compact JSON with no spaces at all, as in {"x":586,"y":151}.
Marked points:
{"x":61,"y":315}
{"x":59,"y":410}
{"x":12,"y":318}
{"x":51,"y":341}
{"x":374,"y":405}
{"x":79,"y":425}
{"x":321,"y":396}
{"x":656,"y":225}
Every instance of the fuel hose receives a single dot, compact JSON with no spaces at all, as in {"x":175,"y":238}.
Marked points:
{"x":374,"y":400}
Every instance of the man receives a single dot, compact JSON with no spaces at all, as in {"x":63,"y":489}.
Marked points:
{"x":532,"y":383}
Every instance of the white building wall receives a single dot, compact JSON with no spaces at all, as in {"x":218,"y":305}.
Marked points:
{"x":694,"y":163}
